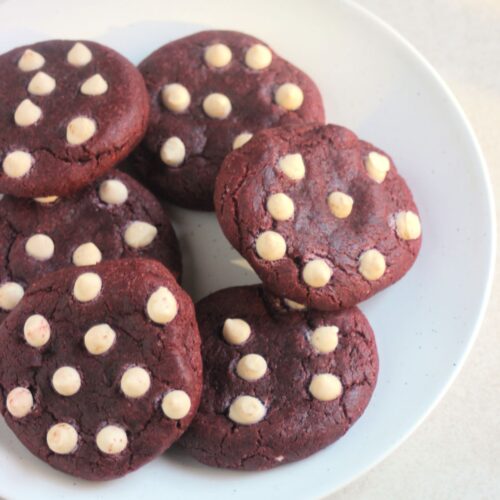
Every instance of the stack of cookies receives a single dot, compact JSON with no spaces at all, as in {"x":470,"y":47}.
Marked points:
{"x":101,"y":349}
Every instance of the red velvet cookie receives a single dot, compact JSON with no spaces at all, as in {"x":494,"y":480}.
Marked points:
{"x":278,"y":385}
{"x":209,"y":93}
{"x":323,"y":217}
{"x":101,"y":369}
{"x":69,"y":111}
{"x":113,"y":218}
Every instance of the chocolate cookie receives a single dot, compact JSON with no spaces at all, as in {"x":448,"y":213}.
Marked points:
{"x":113,"y":218}
{"x":209,"y":93}
{"x":278,"y":385}
{"x":101,"y":369}
{"x":323,"y":217}
{"x":69,"y":111}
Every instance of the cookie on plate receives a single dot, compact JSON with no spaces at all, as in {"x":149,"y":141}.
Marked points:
{"x":69,"y":111}
{"x":209,"y":93}
{"x":278,"y":386}
{"x":115,"y":217}
{"x":101,"y":368}
{"x":323,"y":217}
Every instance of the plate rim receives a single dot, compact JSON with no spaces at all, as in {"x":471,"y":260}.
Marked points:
{"x":486,"y":179}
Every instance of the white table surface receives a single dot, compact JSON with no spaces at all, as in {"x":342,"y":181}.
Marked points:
{"x":455,"y":454}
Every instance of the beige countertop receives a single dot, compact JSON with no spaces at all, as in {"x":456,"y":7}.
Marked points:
{"x":455,"y":453}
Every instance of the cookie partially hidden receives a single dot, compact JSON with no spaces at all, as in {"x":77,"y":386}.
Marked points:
{"x":69,"y":111}
{"x":113,"y":218}
{"x":101,"y":369}
{"x":323,"y":217}
{"x":209,"y":93}
{"x":278,"y":385}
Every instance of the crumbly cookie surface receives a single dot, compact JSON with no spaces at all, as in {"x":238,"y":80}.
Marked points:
{"x":101,"y":367}
{"x":69,"y":111}
{"x":323,"y":217}
{"x":209,"y":93}
{"x":279,"y":384}
{"x":113,"y":218}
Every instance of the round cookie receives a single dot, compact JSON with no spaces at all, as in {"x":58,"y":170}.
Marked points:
{"x":101,"y":367}
{"x":278,"y":385}
{"x":115,"y":217}
{"x":69,"y":111}
{"x":209,"y":93}
{"x":323,"y":217}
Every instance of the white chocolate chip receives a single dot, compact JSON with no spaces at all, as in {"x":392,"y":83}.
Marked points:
{"x":241,"y":139}
{"x":280,"y":206}
{"x":251,"y":367}
{"x":292,"y":166}
{"x":66,"y":381}
{"x":408,"y":225}
{"x":46,"y":200}
{"x":135,"y":382}
{"x":87,"y":254}
{"x":291,"y":304}
{"x":41,"y":84}
{"x":176,"y":404}
{"x":111,"y":440}
{"x":270,"y":246}
{"x":325,"y":387}
{"x":140,"y":234}
{"x":30,"y":60}
{"x":217,"y":106}
{"x":113,"y":192}
{"x":176,"y":97}
{"x":247,"y":410}
{"x":10,"y":295}
{"x":40,"y":247}
{"x":62,"y":438}
{"x":80,"y":130}
{"x":258,"y":57}
{"x":173,"y":152}
{"x":95,"y":85}
{"x":19,"y":402}
{"x":236,"y":331}
{"x":340,"y":204}
{"x":218,"y":55}
{"x":79,"y":55}
{"x":162,"y":307}
{"x":289,"y":96}
{"x":17,"y":164}
{"x":27,"y":113}
{"x":99,"y":339}
{"x":377,"y":166}
{"x":36,"y":330}
{"x":317,"y":273}
{"x":87,"y":287}
{"x":372,"y":264}
{"x":325,"y":339}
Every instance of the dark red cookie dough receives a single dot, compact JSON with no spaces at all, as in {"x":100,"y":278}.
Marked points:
{"x":322,"y":217}
{"x":113,"y":218}
{"x":43,"y":152}
{"x":214,"y":62}
{"x":313,"y":378}
{"x":112,"y":352}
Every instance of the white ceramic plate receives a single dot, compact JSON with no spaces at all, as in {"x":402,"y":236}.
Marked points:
{"x":375,"y":83}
